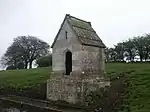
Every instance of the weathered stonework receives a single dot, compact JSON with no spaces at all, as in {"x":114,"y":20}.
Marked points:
{"x":88,"y":63}
{"x":72,"y":88}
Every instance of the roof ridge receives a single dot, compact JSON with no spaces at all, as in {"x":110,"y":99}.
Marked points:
{"x":90,"y":38}
{"x":83,"y":28}
{"x":78,"y":19}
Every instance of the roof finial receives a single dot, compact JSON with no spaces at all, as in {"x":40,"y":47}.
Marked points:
{"x":90,"y":23}
{"x":67,"y":14}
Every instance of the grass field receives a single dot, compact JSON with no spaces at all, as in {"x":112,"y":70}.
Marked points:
{"x":137,"y":100}
{"x":22,"y":79}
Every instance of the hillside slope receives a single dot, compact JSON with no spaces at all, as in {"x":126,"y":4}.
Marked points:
{"x":32,"y":83}
{"x":138,"y":97}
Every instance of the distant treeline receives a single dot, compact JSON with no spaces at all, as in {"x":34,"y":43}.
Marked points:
{"x":136,"y":48}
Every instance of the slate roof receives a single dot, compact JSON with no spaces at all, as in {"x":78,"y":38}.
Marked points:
{"x":84,"y":32}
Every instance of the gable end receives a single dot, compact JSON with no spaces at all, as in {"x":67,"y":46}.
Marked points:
{"x":83,"y":31}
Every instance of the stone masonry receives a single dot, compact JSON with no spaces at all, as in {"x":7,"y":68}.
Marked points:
{"x":87,"y":62}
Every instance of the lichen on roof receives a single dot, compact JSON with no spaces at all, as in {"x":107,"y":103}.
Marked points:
{"x":85,"y":32}
{"x":80,"y":23}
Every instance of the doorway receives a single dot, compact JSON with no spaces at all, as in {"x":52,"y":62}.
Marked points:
{"x":68,"y":62}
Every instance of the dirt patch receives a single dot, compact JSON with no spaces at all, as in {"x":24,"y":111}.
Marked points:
{"x":108,"y":99}
{"x":35,"y":92}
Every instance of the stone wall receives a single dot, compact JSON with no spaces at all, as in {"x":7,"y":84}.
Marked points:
{"x":61,"y":46}
{"x":84,"y":58}
{"x":87,"y":68}
{"x":73,"y":89}
{"x":92,"y":60}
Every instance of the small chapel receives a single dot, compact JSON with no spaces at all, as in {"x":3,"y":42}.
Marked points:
{"x":78,"y":61}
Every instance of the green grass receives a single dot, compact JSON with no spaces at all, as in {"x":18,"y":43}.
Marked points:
{"x":138,"y":99}
{"x":22,"y":79}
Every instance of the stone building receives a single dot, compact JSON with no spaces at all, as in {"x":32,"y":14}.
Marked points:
{"x":78,"y":62}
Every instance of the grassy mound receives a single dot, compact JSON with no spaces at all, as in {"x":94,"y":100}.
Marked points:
{"x":21,"y":79}
{"x":33,"y":83}
{"x":29,"y":83}
{"x":138,"y":98}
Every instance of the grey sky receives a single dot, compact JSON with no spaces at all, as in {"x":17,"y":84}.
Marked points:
{"x":113,"y":20}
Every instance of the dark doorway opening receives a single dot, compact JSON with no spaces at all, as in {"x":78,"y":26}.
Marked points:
{"x":68,"y":62}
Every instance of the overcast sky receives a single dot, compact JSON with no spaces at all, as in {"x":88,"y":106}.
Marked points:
{"x":113,"y":20}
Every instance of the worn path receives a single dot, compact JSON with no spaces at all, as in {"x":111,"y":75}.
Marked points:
{"x":46,"y":105}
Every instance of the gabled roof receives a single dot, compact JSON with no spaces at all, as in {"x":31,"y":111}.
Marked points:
{"x":83,"y":31}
